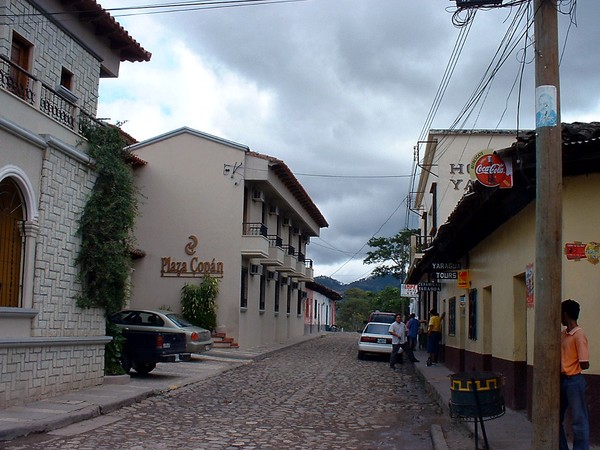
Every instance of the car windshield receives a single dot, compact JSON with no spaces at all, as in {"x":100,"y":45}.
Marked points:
{"x":179,"y":321}
{"x":377,"y":328}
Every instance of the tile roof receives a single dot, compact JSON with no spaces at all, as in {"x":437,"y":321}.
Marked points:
{"x":291,"y":182}
{"x":91,"y":12}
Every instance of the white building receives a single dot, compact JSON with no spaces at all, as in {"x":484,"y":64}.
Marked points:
{"x":212,"y":206}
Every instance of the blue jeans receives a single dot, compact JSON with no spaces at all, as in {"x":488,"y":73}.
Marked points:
{"x":572,"y":395}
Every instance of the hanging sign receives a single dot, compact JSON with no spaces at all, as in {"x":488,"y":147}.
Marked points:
{"x":409,"y":290}
{"x":463,"y":279}
{"x":430,"y":287}
{"x":491,"y":170}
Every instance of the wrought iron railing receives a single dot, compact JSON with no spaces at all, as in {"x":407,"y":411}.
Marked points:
{"x":275,"y":241}
{"x":57,"y":107}
{"x":40,"y":95}
{"x":16,"y":80}
{"x":308,"y":263}
{"x":254,"y":229}
{"x":289,"y":250}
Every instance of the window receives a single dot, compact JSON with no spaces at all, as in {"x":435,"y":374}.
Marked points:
{"x":244,"y":290}
{"x":277,"y":294}
{"x":473,"y":314}
{"x":11,"y":243}
{"x":66,"y":79}
{"x":20,"y":56}
{"x":299,"y":304}
{"x":263,"y":288}
{"x":452,"y":316}
{"x":288,"y":307}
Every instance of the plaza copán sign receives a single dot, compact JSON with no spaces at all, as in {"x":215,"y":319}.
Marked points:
{"x":193,"y":267}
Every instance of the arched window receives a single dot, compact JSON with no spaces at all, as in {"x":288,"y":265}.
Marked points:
{"x":11,"y":243}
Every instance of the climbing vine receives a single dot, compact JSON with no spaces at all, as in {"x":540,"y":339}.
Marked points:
{"x":105,"y":227}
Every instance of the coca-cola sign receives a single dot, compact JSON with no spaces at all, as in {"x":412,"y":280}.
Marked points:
{"x":491,"y":170}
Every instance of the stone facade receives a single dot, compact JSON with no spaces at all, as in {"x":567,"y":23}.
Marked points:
{"x":53,"y":50}
{"x":48,"y":345}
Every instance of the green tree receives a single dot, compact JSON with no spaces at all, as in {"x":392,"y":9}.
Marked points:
{"x":389,"y":300}
{"x":392,"y":254}
{"x":354,"y":309}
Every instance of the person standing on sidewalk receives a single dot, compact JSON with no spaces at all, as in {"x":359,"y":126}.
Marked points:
{"x":574,"y":357}
{"x":434,"y":336}
{"x":398,"y":331}
{"x":399,"y":345}
{"x":413,"y":331}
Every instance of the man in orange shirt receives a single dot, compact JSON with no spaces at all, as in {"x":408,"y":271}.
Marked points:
{"x":574,"y":357}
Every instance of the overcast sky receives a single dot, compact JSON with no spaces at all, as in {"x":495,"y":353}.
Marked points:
{"x":340,"y":90}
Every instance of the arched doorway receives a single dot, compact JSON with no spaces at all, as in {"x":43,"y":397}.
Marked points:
{"x":11,"y":243}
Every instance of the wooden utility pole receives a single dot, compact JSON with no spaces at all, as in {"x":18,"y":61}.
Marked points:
{"x":548,"y":231}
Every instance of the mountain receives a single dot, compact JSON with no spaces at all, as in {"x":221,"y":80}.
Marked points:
{"x":371,"y":284}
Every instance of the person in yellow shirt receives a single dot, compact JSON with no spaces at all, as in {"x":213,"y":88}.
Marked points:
{"x":574,"y":357}
{"x":434,"y":336}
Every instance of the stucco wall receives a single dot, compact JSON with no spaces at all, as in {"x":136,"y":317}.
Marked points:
{"x":497,"y":270}
{"x":184,"y":192}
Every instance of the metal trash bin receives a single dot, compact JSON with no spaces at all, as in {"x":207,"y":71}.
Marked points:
{"x":476,"y":395}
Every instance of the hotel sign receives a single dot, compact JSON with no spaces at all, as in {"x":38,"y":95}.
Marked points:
{"x":192,"y":267}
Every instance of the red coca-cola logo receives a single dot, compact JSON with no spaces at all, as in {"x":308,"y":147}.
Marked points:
{"x":490,"y":170}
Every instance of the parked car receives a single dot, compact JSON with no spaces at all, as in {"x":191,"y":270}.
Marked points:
{"x":198,"y":340}
{"x":376,"y":339}
{"x":144,"y":347}
{"x":382,"y":317}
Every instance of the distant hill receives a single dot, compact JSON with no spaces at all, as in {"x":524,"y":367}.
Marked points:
{"x":366,"y":284}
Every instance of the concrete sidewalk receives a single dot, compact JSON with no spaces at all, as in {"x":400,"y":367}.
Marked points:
{"x":511,"y":431}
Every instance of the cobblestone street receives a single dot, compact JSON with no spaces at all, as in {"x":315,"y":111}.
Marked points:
{"x":316,"y":395}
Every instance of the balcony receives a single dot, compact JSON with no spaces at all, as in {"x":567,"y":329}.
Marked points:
{"x":42,"y":97}
{"x":289,"y":260}
{"x":276,"y":252}
{"x":308,"y":274}
{"x":300,"y":269}
{"x":255,"y":242}
{"x":418,"y":245}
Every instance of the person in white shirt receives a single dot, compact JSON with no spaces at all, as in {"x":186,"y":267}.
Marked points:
{"x":398,"y":331}
{"x":399,"y":345}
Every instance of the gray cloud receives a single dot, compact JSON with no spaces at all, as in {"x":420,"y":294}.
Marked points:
{"x":351,"y":83}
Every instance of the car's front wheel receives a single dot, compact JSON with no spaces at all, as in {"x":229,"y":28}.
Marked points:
{"x":143,"y":368}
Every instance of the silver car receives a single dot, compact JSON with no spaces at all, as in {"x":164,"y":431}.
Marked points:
{"x":199,"y":340}
{"x":375,"y":338}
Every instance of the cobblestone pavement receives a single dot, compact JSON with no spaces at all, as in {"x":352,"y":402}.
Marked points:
{"x":315,"y":395}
